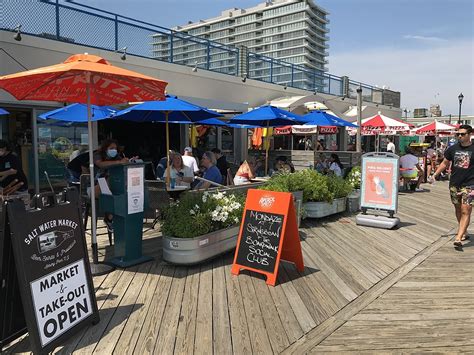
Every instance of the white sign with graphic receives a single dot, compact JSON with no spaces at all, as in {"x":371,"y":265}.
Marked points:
{"x":61,"y":300}
{"x":135,"y":190}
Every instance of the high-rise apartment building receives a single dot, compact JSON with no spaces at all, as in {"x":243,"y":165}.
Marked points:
{"x":293,"y":31}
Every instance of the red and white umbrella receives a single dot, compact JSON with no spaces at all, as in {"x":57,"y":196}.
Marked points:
{"x":435,"y":128}
{"x":380,"y":124}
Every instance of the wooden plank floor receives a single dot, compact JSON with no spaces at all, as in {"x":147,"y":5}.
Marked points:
{"x":358,"y":281}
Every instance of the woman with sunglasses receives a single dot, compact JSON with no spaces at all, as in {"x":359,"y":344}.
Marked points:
{"x":461,"y":183}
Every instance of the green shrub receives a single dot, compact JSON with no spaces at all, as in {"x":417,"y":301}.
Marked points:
{"x":197,"y":214}
{"x":354,"y":177}
{"x":338,"y":186}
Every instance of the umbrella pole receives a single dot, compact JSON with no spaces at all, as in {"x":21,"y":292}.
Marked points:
{"x":266,"y":150}
{"x":96,"y":268}
{"x":168,"y":172}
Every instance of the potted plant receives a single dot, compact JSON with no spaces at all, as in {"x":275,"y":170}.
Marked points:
{"x":201,"y":226}
{"x":288,"y":182}
{"x":353,"y":200}
{"x":323,"y":194}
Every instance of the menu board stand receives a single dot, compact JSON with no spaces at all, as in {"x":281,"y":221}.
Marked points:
{"x":52,"y":269}
{"x":379,"y":190}
{"x":268,"y":234}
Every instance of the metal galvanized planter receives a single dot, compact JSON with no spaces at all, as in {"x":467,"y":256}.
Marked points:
{"x":353,"y":201}
{"x":324,"y":209}
{"x":186,"y":251}
{"x":298,"y":199}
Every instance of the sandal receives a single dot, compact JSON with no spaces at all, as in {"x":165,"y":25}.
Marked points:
{"x":457,"y":244}
{"x":465,"y":237}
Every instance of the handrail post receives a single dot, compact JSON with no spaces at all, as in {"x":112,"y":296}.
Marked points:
{"x":237,"y":62}
{"x":208,"y":64}
{"x":116,"y":33}
{"x":171,"y":46}
{"x":271,"y":70}
{"x":292,"y":74}
{"x":57,"y":20}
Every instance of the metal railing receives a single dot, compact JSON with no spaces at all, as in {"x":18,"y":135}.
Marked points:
{"x":81,"y":24}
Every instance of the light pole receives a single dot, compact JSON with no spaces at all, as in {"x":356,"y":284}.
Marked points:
{"x":359,"y":119}
{"x":460,"y":97}
{"x":406,"y":113}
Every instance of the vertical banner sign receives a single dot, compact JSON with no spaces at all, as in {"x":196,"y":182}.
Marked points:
{"x":379,"y":181}
{"x":53,"y":269}
{"x":135,"y":190}
{"x":268,"y":234}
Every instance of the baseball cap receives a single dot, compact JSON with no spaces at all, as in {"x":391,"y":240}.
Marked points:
{"x":188,"y":149}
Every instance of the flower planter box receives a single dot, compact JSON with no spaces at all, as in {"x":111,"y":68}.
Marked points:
{"x":324,"y":209}
{"x":186,"y":251}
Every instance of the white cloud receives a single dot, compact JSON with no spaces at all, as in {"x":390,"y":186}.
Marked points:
{"x":418,"y":73}
{"x":424,"y":38}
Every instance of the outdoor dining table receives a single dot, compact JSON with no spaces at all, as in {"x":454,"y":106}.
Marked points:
{"x":176,"y":191}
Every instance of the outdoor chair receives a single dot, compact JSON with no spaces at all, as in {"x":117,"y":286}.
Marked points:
{"x":158,"y":199}
{"x":86,"y":202}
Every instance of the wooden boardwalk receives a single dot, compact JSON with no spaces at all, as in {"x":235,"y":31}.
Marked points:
{"x":363,"y":290}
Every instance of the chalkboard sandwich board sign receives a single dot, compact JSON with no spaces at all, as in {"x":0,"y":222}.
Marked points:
{"x":52,"y":268}
{"x":268,"y":234}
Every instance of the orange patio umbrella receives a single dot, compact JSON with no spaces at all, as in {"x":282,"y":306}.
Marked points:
{"x":87,"y":79}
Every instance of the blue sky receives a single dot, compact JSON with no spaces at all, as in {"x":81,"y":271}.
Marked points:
{"x":423,"y":48}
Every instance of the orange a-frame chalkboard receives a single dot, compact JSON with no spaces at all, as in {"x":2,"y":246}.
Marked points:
{"x":268,"y":234}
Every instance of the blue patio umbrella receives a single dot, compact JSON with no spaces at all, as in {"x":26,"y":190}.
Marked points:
{"x":78,"y":113}
{"x":320,"y":118}
{"x":267,"y":116}
{"x":4,"y":112}
{"x":171,"y":110}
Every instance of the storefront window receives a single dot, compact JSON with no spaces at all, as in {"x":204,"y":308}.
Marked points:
{"x":227,"y":138}
{"x":58,"y":143}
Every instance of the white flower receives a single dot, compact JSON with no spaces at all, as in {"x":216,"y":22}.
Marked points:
{"x":191,"y":212}
{"x":196,"y":207}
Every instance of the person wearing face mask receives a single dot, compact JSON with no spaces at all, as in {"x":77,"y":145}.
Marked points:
{"x":11,"y":171}
{"x":105,"y":157}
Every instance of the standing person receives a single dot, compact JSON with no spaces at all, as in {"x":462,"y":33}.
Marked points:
{"x":189,"y":160}
{"x":211,"y":173}
{"x":105,"y":157}
{"x":221,"y":161}
{"x":391,"y":145}
{"x":461,"y":183}
{"x":11,"y":171}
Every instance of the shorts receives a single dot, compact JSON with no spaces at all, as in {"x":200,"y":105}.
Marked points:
{"x":461,"y":195}
{"x":409,"y":174}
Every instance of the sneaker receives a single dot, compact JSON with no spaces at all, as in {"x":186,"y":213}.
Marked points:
{"x":109,"y":224}
{"x":419,"y":189}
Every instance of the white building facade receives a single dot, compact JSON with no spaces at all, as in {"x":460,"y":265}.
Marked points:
{"x":287,"y":41}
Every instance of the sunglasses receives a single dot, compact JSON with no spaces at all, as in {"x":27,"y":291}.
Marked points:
{"x":461,"y":134}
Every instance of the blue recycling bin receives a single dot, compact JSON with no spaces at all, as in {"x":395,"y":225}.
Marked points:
{"x":127,"y":203}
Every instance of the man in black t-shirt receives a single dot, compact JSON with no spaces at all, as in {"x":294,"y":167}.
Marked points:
{"x":11,"y":171}
{"x":461,"y":183}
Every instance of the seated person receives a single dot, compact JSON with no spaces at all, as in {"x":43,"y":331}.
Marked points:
{"x":245,"y":172}
{"x":78,"y":166}
{"x":281,"y":166}
{"x":161,"y":166}
{"x":335,"y":165}
{"x":221,"y":161}
{"x":211,"y":172}
{"x":12,"y":177}
{"x":182,"y":174}
{"x":321,"y":163}
{"x":410,"y":168}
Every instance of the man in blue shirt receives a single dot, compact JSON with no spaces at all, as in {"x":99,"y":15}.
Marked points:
{"x":212,"y":173}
